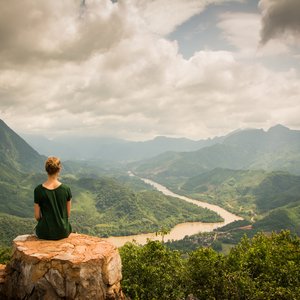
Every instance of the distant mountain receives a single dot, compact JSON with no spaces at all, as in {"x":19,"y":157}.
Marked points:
{"x":16,"y":154}
{"x":275,"y":149}
{"x":91,"y":148}
{"x":277,"y":137}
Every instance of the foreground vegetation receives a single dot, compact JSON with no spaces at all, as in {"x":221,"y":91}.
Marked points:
{"x":264,"y":267}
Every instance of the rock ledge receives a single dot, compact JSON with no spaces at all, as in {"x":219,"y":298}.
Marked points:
{"x":78,"y":267}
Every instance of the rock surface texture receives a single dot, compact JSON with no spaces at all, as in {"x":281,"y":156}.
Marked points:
{"x":78,"y":267}
{"x":2,"y":279}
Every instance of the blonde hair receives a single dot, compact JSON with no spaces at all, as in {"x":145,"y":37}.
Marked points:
{"x":52,"y":165}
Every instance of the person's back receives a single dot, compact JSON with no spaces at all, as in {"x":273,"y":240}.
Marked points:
{"x":52,"y":204}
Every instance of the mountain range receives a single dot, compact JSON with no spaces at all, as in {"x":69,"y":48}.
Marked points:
{"x":275,"y":149}
{"x":240,"y":149}
{"x":112,"y":149}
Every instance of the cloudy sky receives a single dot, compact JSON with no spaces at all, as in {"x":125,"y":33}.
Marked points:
{"x":136,"y":69}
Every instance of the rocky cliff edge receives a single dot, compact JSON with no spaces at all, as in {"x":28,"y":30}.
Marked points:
{"x":78,"y":267}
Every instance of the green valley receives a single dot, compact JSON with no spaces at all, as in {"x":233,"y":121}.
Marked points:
{"x":267,"y":201}
{"x":107,"y":201}
{"x":102,"y":206}
{"x":105,"y":207}
{"x":252,"y":173}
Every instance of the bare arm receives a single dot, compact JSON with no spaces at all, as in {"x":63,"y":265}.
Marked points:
{"x":37,"y":211}
{"x":69,"y":208}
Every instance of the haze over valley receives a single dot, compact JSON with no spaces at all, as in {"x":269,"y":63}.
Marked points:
{"x":251,"y":173}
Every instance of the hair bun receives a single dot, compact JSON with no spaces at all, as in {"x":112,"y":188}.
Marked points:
{"x":52,"y":165}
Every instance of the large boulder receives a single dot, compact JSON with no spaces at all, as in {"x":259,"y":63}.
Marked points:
{"x":2,"y":279}
{"x":78,"y":267}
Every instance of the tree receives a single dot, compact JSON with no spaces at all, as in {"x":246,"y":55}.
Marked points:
{"x":205,"y":273}
{"x":264,"y":267}
{"x":268,"y":265}
{"x":5,"y":254}
{"x":152,"y":271}
{"x":162,"y":232}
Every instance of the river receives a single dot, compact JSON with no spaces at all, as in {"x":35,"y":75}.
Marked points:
{"x":181,"y":230}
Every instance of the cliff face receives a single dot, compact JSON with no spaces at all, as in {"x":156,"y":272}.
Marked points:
{"x":78,"y":267}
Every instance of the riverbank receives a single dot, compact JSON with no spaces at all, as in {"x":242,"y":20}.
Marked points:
{"x":181,"y":230}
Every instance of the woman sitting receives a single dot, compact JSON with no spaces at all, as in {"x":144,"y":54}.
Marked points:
{"x":52,"y":204}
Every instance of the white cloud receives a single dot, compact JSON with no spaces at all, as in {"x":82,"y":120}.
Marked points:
{"x":120,"y":79}
{"x":54,"y":30}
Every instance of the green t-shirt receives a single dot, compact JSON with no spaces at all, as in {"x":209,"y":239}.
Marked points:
{"x":54,"y":223}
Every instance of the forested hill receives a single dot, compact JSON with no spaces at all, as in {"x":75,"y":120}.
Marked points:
{"x":261,"y":190}
{"x":275,"y":149}
{"x":113,"y":208}
{"x":15,"y":154}
{"x":17,"y":161}
{"x":271,"y":201}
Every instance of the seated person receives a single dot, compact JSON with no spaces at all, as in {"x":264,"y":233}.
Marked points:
{"x":52,"y":204}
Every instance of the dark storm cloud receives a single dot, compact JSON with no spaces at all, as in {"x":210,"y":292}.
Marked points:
{"x":280,"y":18}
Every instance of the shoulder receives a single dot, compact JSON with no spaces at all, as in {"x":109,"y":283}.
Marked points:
{"x":65,"y":187}
{"x":66,"y":190}
{"x":38,"y":188}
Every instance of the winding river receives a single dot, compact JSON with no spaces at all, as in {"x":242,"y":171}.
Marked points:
{"x":181,"y":230}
